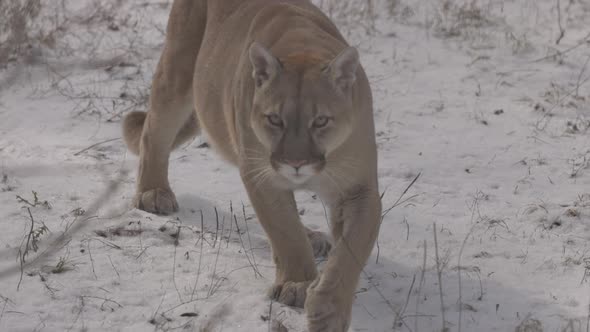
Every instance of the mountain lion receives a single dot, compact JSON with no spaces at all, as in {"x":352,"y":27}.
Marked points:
{"x":282,"y":97}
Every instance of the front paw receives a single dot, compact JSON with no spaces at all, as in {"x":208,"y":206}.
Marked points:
{"x":320,"y":242}
{"x":290,"y":293}
{"x":157,"y":201}
{"x":327,"y":310}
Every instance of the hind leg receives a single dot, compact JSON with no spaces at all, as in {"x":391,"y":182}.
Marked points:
{"x":171,"y":106}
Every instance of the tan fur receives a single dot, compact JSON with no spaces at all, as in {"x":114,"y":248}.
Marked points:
{"x":133,"y":126}
{"x":302,"y":60}
{"x":282,"y":97}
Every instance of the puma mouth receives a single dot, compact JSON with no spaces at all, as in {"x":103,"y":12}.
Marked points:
{"x":299,"y":179}
{"x":298,"y":175}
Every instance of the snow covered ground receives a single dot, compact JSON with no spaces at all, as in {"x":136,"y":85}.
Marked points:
{"x":483,"y":103}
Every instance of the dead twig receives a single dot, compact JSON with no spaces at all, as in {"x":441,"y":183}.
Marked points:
{"x":216,"y":226}
{"x":420,"y":285}
{"x":105,"y":301}
{"x":6,"y":301}
{"x":91,"y":259}
{"x":82,"y":305}
{"x":95,"y":145}
{"x":561,"y":29}
{"x":578,"y":82}
{"x":31,"y":243}
{"x":585,"y":40}
{"x":36,"y":201}
{"x":440,"y":284}
{"x":270,"y":316}
{"x":114,"y":268}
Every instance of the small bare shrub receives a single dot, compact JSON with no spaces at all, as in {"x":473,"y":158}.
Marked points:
{"x":530,"y":325}
{"x":455,"y":19}
{"x":351,"y":14}
{"x":15,"y":28}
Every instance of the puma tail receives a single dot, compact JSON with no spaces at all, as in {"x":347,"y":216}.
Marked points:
{"x":133,"y":127}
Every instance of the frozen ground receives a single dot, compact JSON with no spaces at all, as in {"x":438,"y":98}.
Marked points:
{"x":477,"y":97}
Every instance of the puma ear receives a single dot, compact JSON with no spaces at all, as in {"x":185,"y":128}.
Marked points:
{"x":342,"y":69}
{"x":266,"y":66}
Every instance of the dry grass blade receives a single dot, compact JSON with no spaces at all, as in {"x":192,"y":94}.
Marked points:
{"x":459,"y":269}
{"x":24,"y":253}
{"x":248,"y":233}
{"x":395,"y":204}
{"x":400,"y":316}
{"x":399,"y":200}
{"x":213,"y":284}
{"x":176,"y":243}
{"x":202,"y":239}
{"x":254,"y":267}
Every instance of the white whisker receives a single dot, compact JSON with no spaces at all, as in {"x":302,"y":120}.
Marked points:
{"x":330,"y":177}
{"x":340,"y":174}
{"x":265,"y":175}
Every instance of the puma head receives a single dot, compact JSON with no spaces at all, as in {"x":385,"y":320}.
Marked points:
{"x":302,"y":108}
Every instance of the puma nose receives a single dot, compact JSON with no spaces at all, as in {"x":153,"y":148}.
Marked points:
{"x":296,"y":163}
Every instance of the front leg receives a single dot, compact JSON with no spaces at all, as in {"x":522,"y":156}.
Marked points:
{"x":355,"y":225}
{"x":292,"y":252}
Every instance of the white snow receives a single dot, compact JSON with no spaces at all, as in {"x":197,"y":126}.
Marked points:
{"x":475,"y":96}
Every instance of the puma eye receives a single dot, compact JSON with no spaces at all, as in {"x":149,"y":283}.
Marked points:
{"x":321,"y":121}
{"x":275,"y":120}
